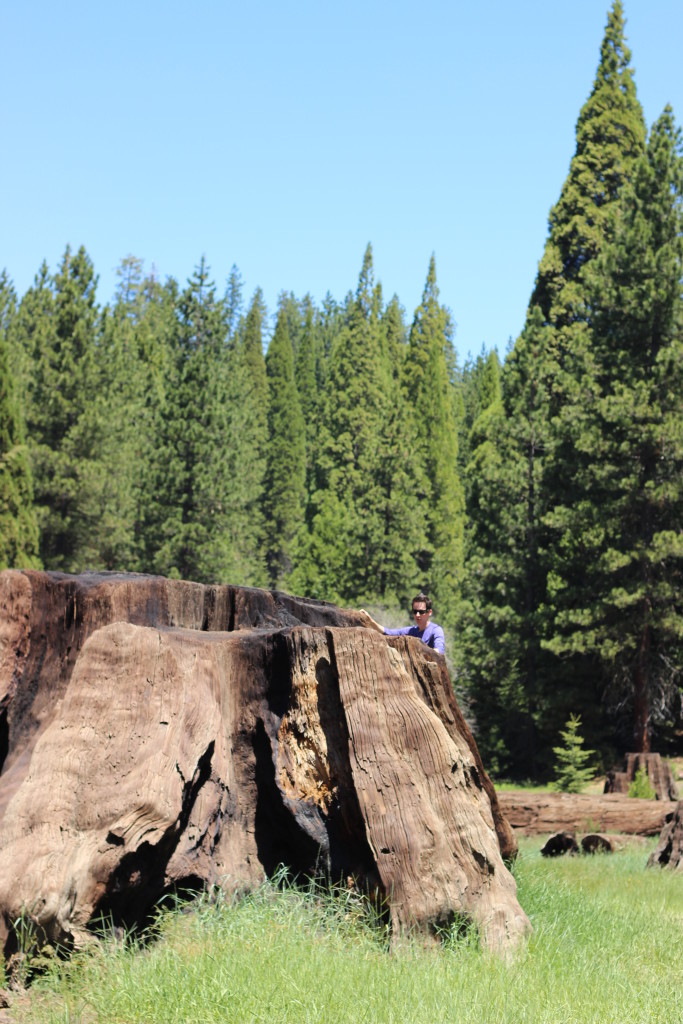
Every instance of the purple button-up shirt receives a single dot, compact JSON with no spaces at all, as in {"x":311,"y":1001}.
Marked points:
{"x":432,"y":635}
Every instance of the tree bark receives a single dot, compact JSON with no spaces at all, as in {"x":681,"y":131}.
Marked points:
{"x":161,"y":734}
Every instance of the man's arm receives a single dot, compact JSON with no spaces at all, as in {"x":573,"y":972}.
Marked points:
{"x":439,"y":640}
{"x":370,"y":623}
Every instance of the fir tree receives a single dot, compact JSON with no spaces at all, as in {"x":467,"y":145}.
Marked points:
{"x":154,"y":323}
{"x":343,"y":553}
{"x":233,"y":301}
{"x":57,"y":326}
{"x":18,"y":527}
{"x":365,"y":526}
{"x":134,"y":357}
{"x":502,"y":616}
{"x":308,"y":372}
{"x":572,"y":774}
{"x":429,"y":391}
{"x":610,"y":136}
{"x":401,"y":474}
{"x":195,"y":484}
{"x":616,"y":578}
{"x":480,"y":386}
{"x":285,"y":476}
{"x":246,"y":430}
{"x":548,"y":371}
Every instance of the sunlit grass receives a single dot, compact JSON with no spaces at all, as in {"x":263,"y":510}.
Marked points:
{"x":607,"y":947}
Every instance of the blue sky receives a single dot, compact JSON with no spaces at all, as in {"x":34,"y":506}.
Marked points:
{"x":284,"y":137}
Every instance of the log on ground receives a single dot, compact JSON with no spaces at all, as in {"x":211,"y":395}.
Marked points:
{"x":541,"y":813}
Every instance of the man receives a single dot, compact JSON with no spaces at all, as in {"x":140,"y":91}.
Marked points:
{"x":426,"y":630}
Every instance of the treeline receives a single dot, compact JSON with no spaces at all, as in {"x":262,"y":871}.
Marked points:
{"x":538,"y":501}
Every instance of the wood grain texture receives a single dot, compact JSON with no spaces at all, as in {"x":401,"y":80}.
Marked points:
{"x":162,"y":734}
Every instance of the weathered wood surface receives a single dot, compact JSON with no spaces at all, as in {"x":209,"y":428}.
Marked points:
{"x":669,"y":850}
{"x":160,"y":733}
{"x":540,"y":813}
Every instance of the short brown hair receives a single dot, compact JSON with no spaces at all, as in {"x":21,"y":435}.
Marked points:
{"x":422,"y":598}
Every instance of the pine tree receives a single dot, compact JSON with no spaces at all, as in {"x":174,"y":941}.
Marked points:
{"x":195,"y":480}
{"x":156,"y":329}
{"x":480,"y":386}
{"x":285,"y":476}
{"x":308,"y":373}
{"x":246,"y":433}
{"x":134,"y":358}
{"x":400,"y":473}
{"x":18,"y":526}
{"x":502,"y":616}
{"x":572,"y":774}
{"x":232,"y":301}
{"x":57,"y":327}
{"x":623,"y":526}
{"x":122,"y":397}
{"x":343,"y":554}
{"x":548,"y":371}
{"x":427,"y":381}
{"x":610,"y":136}
{"x":365,"y":525}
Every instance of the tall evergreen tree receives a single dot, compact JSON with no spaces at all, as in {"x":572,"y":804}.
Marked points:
{"x":480,"y":386}
{"x":155,"y":327}
{"x":121,"y":396}
{"x":233,"y":301}
{"x":194,"y":482}
{"x":544,"y":376}
{"x":285,"y":476}
{"x":401,"y":474}
{"x":623,"y":526}
{"x":246,"y":433}
{"x":429,"y":390}
{"x":57,"y":326}
{"x":308,"y":374}
{"x":364,"y":525}
{"x":610,"y":136}
{"x":135,"y":358}
{"x":18,"y":526}
{"x":342,"y":553}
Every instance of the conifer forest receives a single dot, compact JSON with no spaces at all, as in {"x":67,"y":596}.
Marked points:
{"x":340,"y":451}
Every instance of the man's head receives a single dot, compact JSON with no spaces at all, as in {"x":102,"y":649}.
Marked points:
{"x":422,"y":610}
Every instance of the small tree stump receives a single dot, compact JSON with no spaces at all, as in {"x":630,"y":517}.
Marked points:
{"x":669,"y":849}
{"x":559,"y":844}
{"x":616,"y":782}
{"x":595,"y":842}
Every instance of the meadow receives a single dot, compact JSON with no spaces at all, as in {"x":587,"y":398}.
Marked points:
{"x":607,"y":948}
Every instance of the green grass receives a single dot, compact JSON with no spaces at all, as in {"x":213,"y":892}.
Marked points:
{"x":607,"y":947}
{"x":505,"y":786}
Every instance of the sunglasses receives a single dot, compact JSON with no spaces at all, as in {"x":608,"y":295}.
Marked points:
{"x":419,"y":611}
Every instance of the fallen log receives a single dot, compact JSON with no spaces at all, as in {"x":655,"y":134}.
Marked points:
{"x":160,"y":734}
{"x":541,"y":813}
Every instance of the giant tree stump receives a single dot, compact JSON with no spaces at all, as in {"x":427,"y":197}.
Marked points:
{"x":158,"y":734}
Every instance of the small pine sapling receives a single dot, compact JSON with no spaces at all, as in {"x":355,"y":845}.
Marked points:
{"x":571,"y":771}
